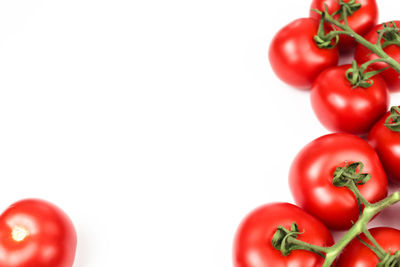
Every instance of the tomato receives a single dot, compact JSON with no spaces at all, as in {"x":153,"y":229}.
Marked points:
{"x":312,"y":172}
{"x":387,"y":144}
{"x":295,"y":57}
{"x":361,"y":21}
{"x":253,"y":241}
{"x":36,"y":233}
{"x":342,"y":108}
{"x":357,"y":254}
{"x":363,"y":54}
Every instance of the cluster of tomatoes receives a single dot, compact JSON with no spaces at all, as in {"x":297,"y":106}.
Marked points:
{"x":351,"y":100}
{"x":297,"y":60}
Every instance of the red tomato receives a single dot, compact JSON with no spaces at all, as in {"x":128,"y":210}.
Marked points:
{"x":312,"y":172}
{"x":357,"y":254}
{"x":253,"y":242}
{"x":294,"y":56}
{"x":35,"y":233}
{"x":363,"y":54}
{"x":387,"y":143}
{"x":342,"y":108}
{"x":361,"y":21}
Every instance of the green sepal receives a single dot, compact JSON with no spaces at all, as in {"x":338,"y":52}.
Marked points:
{"x":390,"y":260}
{"x":321,"y":39}
{"x":358,"y":78}
{"x":281,"y":238}
{"x":393,"y":120}
{"x":350,"y":6}
{"x":344,"y":175}
{"x":391,"y":34}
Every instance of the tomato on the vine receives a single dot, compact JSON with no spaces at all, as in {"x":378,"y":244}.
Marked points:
{"x":342,"y":107}
{"x":361,"y":21}
{"x":35,"y":233}
{"x":253,"y":242}
{"x":312,"y":172}
{"x":387,"y":144}
{"x":356,"y":254}
{"x":295,"y":57}
{"x":363,"y":54}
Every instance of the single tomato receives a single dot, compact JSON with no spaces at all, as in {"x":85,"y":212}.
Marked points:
{"x":312,"y":172}
{"x":363,"y":54}
{"x":387,"y":144}
{"x":356,"y":254}
{"x":35,"y":233}
{"x":253,"y":242}
{"x":343,"y":107}
{"x":361,"y":21}
{"x":295,"y":57}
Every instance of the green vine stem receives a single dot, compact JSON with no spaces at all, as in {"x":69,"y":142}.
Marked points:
{"x":331,"y":253}
{"x":345,"y":29}
{"x":349,"y":176}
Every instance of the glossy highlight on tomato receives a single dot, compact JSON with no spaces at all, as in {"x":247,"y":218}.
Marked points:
{"x":312,"y":171}
{"x":294,"y":56}
{"x":35,"y":233}
{"x":341,"y":107}
{"x":363,"y":54}
{"x":361,"y":21}
{"x":357,"y":254}
{"x":253,"y":241}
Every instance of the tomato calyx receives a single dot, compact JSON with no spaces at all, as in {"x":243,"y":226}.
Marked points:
{"x":323,"y":40}
{"x":286,"y":241}
{"x":348,"y":174}
{"x":358,"y":77}
{"x":281,"y":238}
{"x":393,"y":120}
{"x":329,"y":41}
{"x":350,"y":8}
{"x":351,"y":176}
{"x":390,"y":33}
{"x":390,"y":260}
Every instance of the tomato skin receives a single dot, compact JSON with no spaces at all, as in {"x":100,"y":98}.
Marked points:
{"x":387,"y":143}
{"x":363,"y":54}
{"x":342,"y":108}
{"x":357,"y":254}
{"x":294,"y":56}
{"x":361,"y":21}
{"x":311,"y":175}
{"x":253,"y":247}
{"x":47,"y":238}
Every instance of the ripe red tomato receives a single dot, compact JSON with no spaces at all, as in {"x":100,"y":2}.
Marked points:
{"x":357,"y":254}
{"x":35,"y":233}
{"x":294,"y":56}
{"x":312,"y":172}
{"x":363,"y":54}
{"x":387,"y":144}
{"x":361,"y":21}
{"x":253,"y":241}
{"x":342,"y":108}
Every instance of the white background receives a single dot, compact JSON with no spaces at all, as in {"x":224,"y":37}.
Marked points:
{"x":156,"y":125}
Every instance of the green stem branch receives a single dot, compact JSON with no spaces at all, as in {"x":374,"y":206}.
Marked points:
{"x":379,"y":251}
{"x":359,"y":227}
{"x":375,"y":48}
